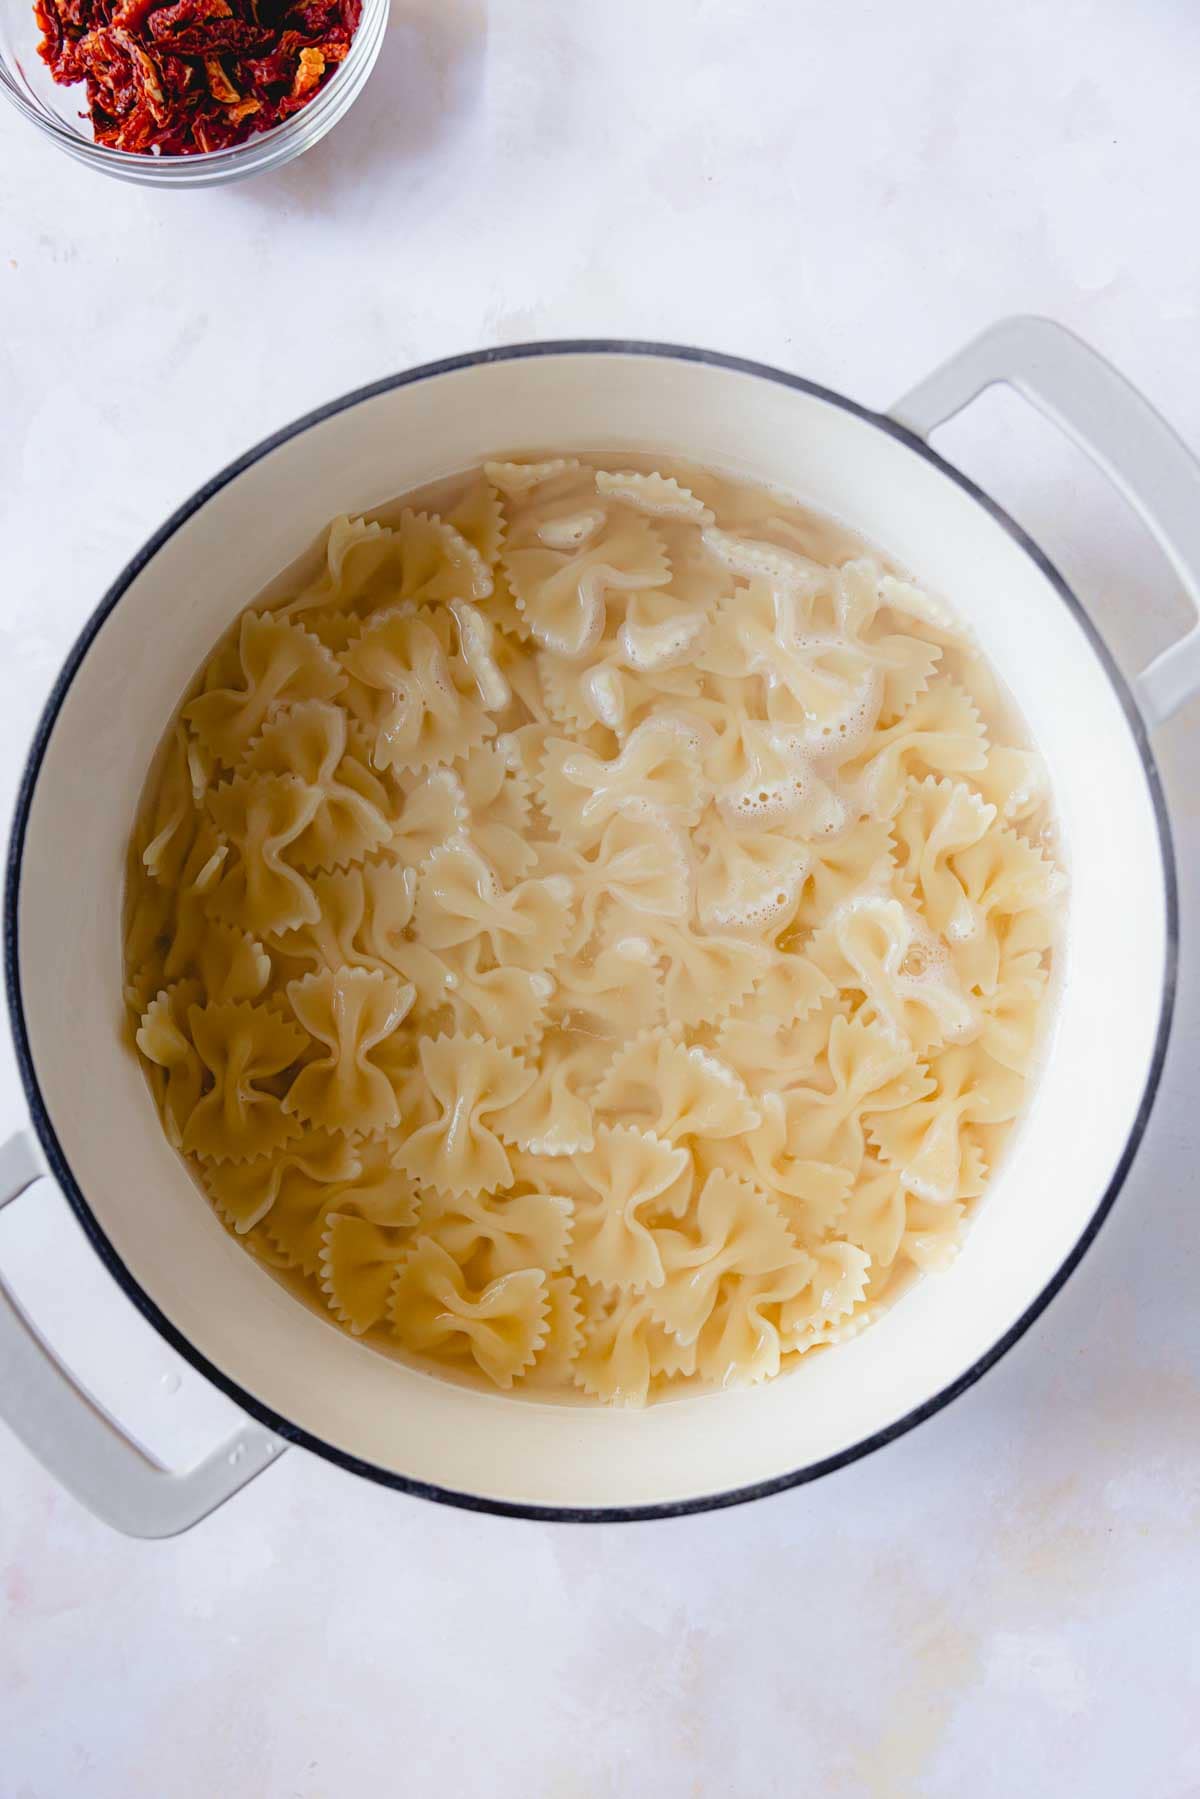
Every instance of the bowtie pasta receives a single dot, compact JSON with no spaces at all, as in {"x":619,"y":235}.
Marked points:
{"x":590,"y":929}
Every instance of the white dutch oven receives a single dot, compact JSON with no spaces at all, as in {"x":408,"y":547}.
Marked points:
{"x":95,"y":1129}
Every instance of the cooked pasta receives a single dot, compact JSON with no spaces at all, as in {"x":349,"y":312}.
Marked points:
{"x":590,"y":929}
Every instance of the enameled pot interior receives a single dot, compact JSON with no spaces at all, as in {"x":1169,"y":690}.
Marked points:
{"x":157,"y":1229}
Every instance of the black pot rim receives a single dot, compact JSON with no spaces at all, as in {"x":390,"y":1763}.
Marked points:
{"x":61,"y":1170}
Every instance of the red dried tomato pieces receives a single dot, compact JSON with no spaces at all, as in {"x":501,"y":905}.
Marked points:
{"x":195,"y":75}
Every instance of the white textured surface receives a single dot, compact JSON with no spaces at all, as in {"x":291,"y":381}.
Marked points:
{"x":997,"y":1604}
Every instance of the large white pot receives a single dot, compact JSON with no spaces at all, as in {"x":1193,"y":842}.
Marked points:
{"x":96,"y":1129}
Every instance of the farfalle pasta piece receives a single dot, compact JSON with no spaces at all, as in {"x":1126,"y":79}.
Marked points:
{"x":773,"y":1053}
{"x":704,"y":975}
{"x":766,"y":630}
{"x":421,"y":559}
{"x":389,"y":893}
{"x":759,"y":560}
{"x":436,"y":562}
{"x":661,"y":631}
{"x":355,"y":1013}
{"x":809,"y":1194}
{"x":933,"y":1235}
{"x":747,"y":880}
{"x":876,"y":1212}
{"x":608,"y":692}
{"x":506,"y":1004}
{"x":554,"y":1116}
{"x":628,"y":1173}
{"x":552,"y":480}
{"x":623,"y":1349}
{"x":659,"y":1083}
{"x":277,"y":662}
{"x":340,"y":935}
{"x":658,"y":496}
{"x":658,"y":767}
{"x":876,"y":947}
{"x":858,"y":860}
{"x":378,"y":1191}
{"x":169,"y":830}
{"x":149,"y":915}
{"x":617,"y":991}
{"x":413,"y":689}
{"x":496,"y":796}
{"x":736,"y":1231}
{"x":1011,"y":1015}
{"x":332,"y":627}
{"x":1003,"y":874}
{"x":243,"y":1047}
{"x":864,"y":1069}
{"x":263,"y":816}
{"x":905,"y":663}
{"x":460,"y":898}
{"x":564,"y":1335}
{"x":791,"y":987}
{"x":762,"y":771}
{"x":480,"y":646}
{"x":311,"y":740}
{"x":565,"y":562}
{"x":175,"y":1068}
{"x":473,"y":1084}
{"x":495,"y":1234}
{"x":641,"y":865}
{"x":1014,"y":781}
{"x":741,"y":1342}
{"x":359,"y":1260}
{"x":197,"y":902}
{"x":912,"y":603}
{"x":433,"y":1310}
{"x":433,"y":809}
{"x":354,"y":550}
{"x":941,"y":733}
{"x":478,"y":516}
{"x":304,"y":1179}
{"x":935,"y":820}
{"x":835,"y":1287}
{"x":923,"y":1140}
{"x":232,"y":964}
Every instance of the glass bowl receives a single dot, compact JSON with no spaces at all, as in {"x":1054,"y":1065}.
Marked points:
{"x":55,"y":110}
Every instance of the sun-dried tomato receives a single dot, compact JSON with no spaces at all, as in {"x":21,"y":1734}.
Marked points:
{"x":195,"y":75}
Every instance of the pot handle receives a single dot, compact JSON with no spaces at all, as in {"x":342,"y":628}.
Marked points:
{"x":80,"y":1445}
{"x":1121,"y":432}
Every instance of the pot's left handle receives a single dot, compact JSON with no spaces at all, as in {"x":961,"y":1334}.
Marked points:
{"x":1134,"y":446}
{"x":79,"y":1444}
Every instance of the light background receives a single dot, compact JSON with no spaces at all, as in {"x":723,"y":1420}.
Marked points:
{"x":1002,"y":1603}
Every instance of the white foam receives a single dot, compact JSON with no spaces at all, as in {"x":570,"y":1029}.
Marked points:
{"x":798,"y":797}
{"x":750,"y":557}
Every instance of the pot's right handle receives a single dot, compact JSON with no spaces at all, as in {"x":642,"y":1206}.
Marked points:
{"x":1121,"y":432}
{"x":79,"y":1444}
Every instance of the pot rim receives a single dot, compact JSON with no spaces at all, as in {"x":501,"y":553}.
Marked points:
{"x":60,"y":1168}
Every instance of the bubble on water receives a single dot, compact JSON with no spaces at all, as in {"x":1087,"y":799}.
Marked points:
{"x":237,"y":1454}
{"x":170,"y":1383}
{"x":573,"y":531}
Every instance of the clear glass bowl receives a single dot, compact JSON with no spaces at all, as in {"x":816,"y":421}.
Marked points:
{"x":25,"y":80}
